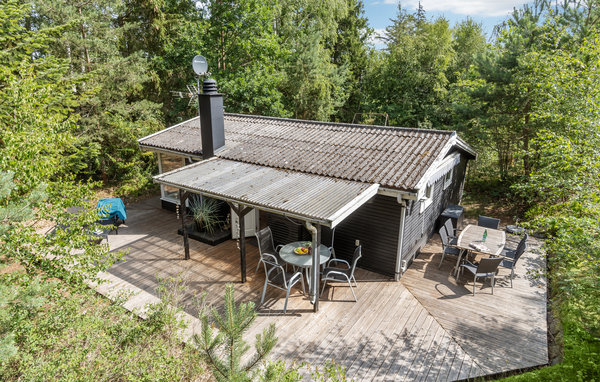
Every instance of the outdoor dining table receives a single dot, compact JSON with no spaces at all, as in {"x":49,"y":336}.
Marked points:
{"x":303,"y":261}
{"x":471,"y":239}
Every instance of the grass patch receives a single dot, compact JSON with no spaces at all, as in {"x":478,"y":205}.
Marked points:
{"x":581,"y":362}
{"x":51,"y":331}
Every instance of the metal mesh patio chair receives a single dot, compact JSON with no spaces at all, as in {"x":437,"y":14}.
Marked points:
{"x":451,"y":232}
{"x":340,"y":274}
{"x":277,"y":277}
{"x":264,"y":237}
{"x":331,"y":249}
{"x":521,"y":247}
{"x":447,"y":249}
{"x":487,"y":267}
{"x":488,"y":222}
{"x":510,"y":262}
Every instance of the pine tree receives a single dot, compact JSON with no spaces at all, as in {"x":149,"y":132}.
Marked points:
{"x":224,"y":347}
{"x":350,"y":49}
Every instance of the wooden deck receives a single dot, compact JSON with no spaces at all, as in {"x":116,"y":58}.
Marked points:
{"x":423,"y":328}
{"x":503,"y":331}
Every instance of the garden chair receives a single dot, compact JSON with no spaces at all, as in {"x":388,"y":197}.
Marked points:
{"x":112,"y":213}
{"x":340,"y":274}
{"x":521,"y":247}
{"x":488,"y":222}
{"x":512,"y":256}
{"x":331,"y":249}
{"x":277,"y":277}
{"x":451,"y":232}
{"x":487,"y":268}
{"x":447,"y":249}
{"x":264,"y":237}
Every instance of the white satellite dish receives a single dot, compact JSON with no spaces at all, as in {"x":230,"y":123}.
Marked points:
{"x":200,"y":65}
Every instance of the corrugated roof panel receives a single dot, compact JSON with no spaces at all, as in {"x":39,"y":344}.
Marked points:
{"x":393,"y":157}
{"x":306,"y":196}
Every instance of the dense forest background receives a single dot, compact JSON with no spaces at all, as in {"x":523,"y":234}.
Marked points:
{"x":82,"y":80}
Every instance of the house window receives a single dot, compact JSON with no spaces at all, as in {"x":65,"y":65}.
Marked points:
{"x":448,"y":178}
{"x":427,"y":197}
{"x":166,"y":163}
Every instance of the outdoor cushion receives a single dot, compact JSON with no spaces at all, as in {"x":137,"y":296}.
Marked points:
{"x":111,"y":207}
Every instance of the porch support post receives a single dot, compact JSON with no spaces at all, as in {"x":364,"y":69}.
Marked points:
{"x":315,"y":231}
{"x":241,"y":212}
{"x":183,"y":196}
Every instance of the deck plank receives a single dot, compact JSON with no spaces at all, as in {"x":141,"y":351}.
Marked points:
{"x":426,"y":327}
{"x":500,"y":331}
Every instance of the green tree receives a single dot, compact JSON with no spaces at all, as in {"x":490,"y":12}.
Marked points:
{"x":223,"y":351}
{"x":36,"y":126}
{"x":244,"y":53}
{"x":314,"y":87}
{"x":113,"y":76}
{"x":411,"y":85}
{"x":350,"y":49}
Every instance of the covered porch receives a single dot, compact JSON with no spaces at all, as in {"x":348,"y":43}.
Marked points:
{"x":425,"y":327}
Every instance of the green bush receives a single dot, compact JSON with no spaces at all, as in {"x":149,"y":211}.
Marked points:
{"x":51,"y":331}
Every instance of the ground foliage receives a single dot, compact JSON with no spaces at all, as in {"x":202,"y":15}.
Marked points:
{"x":80,"y":82}
{"x":51,"y":331}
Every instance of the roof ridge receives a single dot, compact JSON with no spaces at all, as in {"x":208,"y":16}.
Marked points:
{"x":343,"y":124}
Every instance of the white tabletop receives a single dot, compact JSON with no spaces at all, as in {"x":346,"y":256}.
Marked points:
{"x":303,"y":261}
{"x":474,"y":234}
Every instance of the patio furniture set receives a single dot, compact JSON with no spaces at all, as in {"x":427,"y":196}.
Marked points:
{"x":111,"y":214}
{"x":276,"y":260}
{"x":485,"y":239}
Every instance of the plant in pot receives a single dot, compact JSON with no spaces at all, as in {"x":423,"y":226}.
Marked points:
{"x":205,"y":213}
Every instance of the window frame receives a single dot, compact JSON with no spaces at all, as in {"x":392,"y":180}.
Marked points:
{"x":448,"y":177}
{"x":427,"y":198}
{"x":164,"y":194}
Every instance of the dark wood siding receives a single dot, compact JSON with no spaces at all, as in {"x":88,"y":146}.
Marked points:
{"x":419,"y":227}
{"x":376,"y":224}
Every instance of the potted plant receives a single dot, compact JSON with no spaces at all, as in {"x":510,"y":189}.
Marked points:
{"x":205,"y":213}
{"x":210,"y":225}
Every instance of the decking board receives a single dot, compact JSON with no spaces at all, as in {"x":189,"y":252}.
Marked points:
{"x":418,"y":329}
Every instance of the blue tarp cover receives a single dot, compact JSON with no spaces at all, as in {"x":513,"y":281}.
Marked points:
{"x":111,"y":207}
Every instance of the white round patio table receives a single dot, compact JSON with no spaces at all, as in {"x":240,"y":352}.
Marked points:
{"x":303,"y":261}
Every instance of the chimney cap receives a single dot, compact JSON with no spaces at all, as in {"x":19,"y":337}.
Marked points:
{"x":209,"y":86}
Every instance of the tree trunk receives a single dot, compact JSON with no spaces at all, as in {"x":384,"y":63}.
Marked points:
{"x":526,"y":138}
{"x":86,"y":52}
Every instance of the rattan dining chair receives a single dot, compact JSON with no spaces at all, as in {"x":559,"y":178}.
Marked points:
{"x":277,"y":277}
{"x":340,"y":274}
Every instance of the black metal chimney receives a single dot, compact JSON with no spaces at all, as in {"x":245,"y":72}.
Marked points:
{"x":212,"y":123}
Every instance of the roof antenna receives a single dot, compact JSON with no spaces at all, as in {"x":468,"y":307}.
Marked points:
{"x":200,"y":67}
{"x":369,"y":118}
